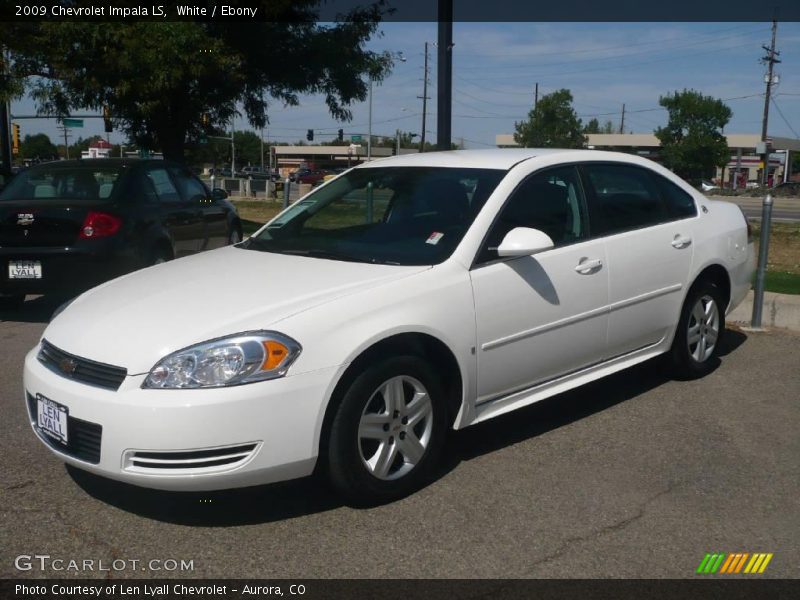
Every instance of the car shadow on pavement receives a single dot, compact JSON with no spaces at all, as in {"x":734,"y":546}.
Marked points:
{"x":310,"y":495}
{"x":225,"y":508}
{"x":36,"y":309}
{"x":563,"y":409}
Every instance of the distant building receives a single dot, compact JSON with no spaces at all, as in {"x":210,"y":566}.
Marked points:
{"x":742,"y":146}
{"x":97,"y":149}
{"x":290,"y":158}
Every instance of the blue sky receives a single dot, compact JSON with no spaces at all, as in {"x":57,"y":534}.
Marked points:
{"x":496,"y":65}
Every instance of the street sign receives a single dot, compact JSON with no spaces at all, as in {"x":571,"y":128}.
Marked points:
{"x":73,"y":123}
{"x":355,"y":138}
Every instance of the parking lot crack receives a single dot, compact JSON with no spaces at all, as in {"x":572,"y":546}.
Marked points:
{"x":597,"y":533}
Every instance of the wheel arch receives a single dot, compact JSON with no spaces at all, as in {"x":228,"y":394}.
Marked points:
{"x":718,"y":276}
{"x":416,"y":343}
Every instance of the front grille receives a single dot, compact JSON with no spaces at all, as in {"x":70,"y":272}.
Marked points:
{"x":190,"y":459}
{"x":83,"y":437}
{"x":81,"y":369}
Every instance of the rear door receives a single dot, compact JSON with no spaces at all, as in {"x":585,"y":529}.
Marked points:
{"x":649,"y":249}
{"x":213,"y":212}
{"x":181,"y":218}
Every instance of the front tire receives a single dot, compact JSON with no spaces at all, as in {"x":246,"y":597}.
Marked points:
{"x":388,"y":432}
{"x":695,"y":348}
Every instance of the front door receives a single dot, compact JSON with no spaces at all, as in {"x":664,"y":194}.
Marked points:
{"x":545,"y":315}
{"x":181,"y":218}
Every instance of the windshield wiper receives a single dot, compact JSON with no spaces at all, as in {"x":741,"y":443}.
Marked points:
{"x":263,"y":245}
{"x":324,"y":254}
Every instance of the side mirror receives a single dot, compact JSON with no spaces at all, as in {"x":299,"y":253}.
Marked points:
{"x":524,"y":241}
{"x":219,"y":194}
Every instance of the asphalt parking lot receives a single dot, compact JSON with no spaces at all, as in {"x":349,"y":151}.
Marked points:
{"x":633,"y":476}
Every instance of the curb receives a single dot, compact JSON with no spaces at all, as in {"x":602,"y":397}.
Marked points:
{"x":780,"y":310}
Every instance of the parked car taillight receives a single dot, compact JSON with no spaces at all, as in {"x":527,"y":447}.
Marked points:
{"x":99,"y":224}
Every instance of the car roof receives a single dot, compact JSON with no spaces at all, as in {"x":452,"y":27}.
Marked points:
{"x":99,"y":162}
{"x":496,"y":158}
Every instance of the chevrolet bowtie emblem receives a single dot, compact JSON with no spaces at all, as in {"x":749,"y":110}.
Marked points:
{"x":68,"y":366}
{"x":24,"y":219}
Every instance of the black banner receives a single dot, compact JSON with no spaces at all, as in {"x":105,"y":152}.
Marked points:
{"x":401,"y":10}
{"x":399,"y":589}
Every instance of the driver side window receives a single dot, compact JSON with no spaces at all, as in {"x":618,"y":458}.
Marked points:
{"x":551,"y":201}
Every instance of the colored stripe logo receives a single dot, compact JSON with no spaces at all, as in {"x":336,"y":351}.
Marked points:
{"x":735,"y":562}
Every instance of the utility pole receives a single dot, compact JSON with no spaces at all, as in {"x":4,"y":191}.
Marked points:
{"x":444,"y":75}
{"x":66,"y":142}
{"x":535,"y":95}
{"x":424,"y":100}
{"x":770,"y":59}
{"x":622,"y":121}
{"x":233,"y":151}
{"x":369,"y":133}
{"x":262,"y":149}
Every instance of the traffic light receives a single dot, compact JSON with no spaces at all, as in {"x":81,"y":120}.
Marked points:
{"x":341,"y":135}
{"x":107,"y":120}
{"x":14,"y":138}
{"x":204,"y":119}
{"x":310,"y":135}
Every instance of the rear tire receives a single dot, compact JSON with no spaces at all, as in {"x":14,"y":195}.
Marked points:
{"x":701,"y":327}
{"x":388,"y":432}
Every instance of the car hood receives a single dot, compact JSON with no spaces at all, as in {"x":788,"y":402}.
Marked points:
{"x":137,"y":319}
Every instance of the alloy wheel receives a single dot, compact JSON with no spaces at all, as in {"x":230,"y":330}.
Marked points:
{"x":703,"y":330}
{"x":396,"y":427}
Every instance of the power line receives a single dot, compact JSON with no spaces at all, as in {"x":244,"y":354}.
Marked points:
{"x":604,"y":58}
{"x":608,"y":68}
{"x":780,"y":112}
{"x":600,"y":49}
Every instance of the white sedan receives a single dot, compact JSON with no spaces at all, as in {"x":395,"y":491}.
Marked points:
{"x":406,"y":297}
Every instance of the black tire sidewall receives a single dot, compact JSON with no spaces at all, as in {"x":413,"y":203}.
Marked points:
{"x":345,"y":469}
{"x":685,"y":366}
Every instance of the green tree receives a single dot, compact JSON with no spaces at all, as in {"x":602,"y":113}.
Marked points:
{"x":593,"y":126}
{"x":38,"y":146}
{"x":160,"y":79}
{"x":692,"y":143}
{"x":248,"y":148}
{"x":552,"y":124}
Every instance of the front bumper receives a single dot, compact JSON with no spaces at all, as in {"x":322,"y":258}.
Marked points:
{"x":271,"y":427}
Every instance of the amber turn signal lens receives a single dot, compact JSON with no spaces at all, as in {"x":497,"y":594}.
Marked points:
{"x":274,"y":353}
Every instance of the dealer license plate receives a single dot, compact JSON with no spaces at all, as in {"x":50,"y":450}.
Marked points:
{"x":52,"y":418}
{"x":24,"y":269}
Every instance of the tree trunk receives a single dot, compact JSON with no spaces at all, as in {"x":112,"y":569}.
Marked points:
{"x":172,"y":143}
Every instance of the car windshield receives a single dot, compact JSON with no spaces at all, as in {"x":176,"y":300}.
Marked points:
{"x":63,"y":183}
{"x":390,"y":215}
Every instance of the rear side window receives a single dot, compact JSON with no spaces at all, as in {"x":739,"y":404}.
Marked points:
{"x":680,"y":205}
{"x":164,"y":188}
{"x":190,"y":188}
{"x":625,"y":198}
{"x":64,"y":183}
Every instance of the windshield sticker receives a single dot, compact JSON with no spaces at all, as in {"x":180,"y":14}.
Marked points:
{"x":434,"y":238}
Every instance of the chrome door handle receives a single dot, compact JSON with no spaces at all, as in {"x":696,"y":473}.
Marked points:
{"x":588,"y":265}
{"x":681,"y":242}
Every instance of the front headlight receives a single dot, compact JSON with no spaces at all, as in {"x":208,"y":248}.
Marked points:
{"x":233,"y":360}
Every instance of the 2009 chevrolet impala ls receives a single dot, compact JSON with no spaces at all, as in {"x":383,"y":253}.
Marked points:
{"x":403,"y":298}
